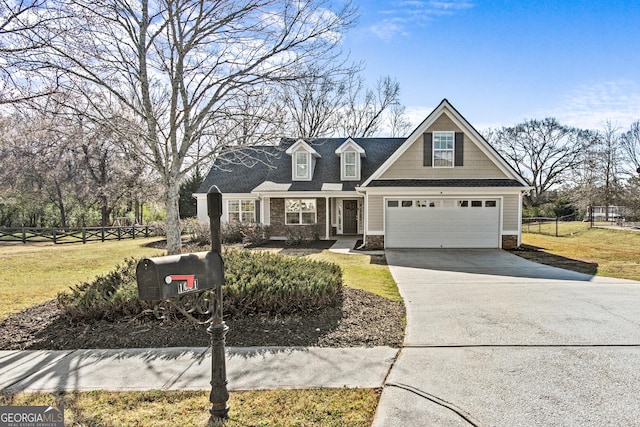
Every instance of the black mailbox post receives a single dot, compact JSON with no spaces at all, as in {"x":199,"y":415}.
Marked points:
{"x":170,"y":277}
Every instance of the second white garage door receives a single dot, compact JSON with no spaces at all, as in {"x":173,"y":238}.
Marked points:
{"x":442,"y":223}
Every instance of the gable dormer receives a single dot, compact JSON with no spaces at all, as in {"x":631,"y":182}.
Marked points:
{"x":303,"y":161}
{"x":351,"y":155}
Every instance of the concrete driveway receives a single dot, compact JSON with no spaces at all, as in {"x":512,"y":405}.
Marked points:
{"x":493,"y":339}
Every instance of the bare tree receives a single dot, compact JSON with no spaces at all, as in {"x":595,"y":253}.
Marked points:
{"x":111,"y":175}
{"x":363,"y":111}
{"x":630,"y":142}
{"x":582,"y":188}
{"x":544,"y":152}
{"x":609,"y":166}
{"x":39,"y":166}
{"x":311,"y":104}
{"x":18,"y":18}
{"x":398,"y":123}
{"x":175,"y":66}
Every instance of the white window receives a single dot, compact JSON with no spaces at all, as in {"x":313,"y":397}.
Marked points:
{"x":301,"y":165}
{"x":443,"y":149}
{"x":350,"y":165}
{"x":241,"y":210}
{"x":300,"y":211}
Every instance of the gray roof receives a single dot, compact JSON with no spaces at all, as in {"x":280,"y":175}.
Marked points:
{"x":268,"y":169}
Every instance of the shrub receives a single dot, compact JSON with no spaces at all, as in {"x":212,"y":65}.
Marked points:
{"x":160,"y":228}
{"x":268,"y":283}
{"x":255,"y":234}
{"x":256,"y":283}
{"x":107,"y":297}
{"x":199,"y":232}
{"x":231,"y":232}
{"x":300,"y":233}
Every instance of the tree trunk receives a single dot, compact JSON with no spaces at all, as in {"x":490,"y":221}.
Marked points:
{"x":174,"y":242}
{"x":61,"y":207}
{"x":104,"y":211}
{"x":138,"y":212}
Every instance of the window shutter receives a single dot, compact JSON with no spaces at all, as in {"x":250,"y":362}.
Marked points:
{"x":459,"y":152}
{"x":428,"y":149}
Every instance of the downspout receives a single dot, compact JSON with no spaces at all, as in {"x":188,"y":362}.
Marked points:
{"x":365,"y":207}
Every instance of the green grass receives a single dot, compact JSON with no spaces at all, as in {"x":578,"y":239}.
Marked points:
{"x":366,"y":272}
{"x":613,"y":253}
{"x":564,"y":228}
{"x":33,"y":273}
{"x":319,"y":407}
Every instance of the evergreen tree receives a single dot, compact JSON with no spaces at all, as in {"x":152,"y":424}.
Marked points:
{"x":187,"y":203}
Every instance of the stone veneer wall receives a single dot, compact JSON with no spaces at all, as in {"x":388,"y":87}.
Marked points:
{"x":374,"y":243}
{"x":509,"y":242}
{"x":278,"y":227}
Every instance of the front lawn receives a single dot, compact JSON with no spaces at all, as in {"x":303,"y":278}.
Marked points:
{"x":612,"y":253}
{"x":33,"y":273}
{"x":367,"y":272}
{"x":324,"y":407}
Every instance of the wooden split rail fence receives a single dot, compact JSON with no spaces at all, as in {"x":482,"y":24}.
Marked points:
{"x":74,"y":235}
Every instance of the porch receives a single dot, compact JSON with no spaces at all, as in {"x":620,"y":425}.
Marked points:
{"x":321,"y":217}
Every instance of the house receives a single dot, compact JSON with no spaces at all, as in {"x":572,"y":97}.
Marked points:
{"x":442,"y":187}
{"x":608,"y":213}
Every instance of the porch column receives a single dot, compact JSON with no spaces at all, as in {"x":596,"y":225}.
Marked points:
{"x":328,"y":219}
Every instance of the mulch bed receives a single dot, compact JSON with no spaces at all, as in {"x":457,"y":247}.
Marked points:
{"x":360,"y":319}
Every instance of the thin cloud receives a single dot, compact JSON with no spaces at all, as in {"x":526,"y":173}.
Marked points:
{"x":401,"y":15}
{"x":590,"y":106}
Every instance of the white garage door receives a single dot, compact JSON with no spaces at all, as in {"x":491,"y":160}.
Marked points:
{"x":442,"y":223}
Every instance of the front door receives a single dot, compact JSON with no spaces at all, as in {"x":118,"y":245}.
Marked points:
{"x":350,"y":217}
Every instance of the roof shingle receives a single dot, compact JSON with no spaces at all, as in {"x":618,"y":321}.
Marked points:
{"x":268,"y":169}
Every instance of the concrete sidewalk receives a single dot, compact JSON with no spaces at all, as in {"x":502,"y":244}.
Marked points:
{"x":248,"y":368}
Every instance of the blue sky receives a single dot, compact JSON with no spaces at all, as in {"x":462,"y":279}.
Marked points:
{"x":501,"y":62}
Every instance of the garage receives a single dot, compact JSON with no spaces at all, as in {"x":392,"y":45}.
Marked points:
{"x":463,"y":222}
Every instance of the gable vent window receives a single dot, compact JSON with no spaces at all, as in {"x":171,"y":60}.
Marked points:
{"x":302,"y":165}
{"x":443,"y":149}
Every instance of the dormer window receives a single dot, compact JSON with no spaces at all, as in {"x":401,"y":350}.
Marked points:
{"x":303,"y":160}
{"x":350,"y":164}
{"x":301,"y":165}
{"x":351,"y":155}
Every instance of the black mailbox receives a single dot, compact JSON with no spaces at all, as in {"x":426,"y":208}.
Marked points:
{"x":171,"y":276}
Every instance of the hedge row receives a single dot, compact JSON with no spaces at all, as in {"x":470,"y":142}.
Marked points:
{"x":256,"y":283}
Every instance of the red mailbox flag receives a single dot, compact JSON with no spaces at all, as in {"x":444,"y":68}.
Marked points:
{"x":189,"y":279}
